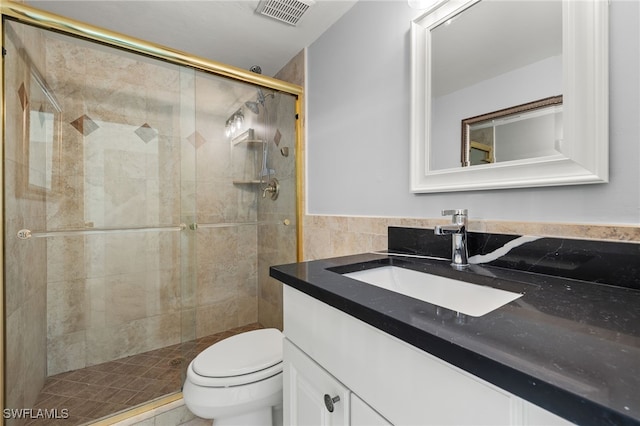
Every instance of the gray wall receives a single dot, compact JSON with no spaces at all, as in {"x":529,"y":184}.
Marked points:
{"x":358,"y":91}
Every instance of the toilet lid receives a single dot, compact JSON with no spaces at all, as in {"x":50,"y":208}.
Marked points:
{"x":241,"y":354}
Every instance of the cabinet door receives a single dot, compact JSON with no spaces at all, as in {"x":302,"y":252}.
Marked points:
{"x":363,"y":415}
{"x":312,"y":396}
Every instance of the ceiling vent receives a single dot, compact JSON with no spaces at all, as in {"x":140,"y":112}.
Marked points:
{"x":287,"y":11}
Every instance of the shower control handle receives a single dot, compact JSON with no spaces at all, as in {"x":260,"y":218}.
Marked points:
{"x":273,"y":187}
{"x":329,"y":402}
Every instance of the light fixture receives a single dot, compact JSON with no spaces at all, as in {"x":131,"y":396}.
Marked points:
{"x":234,"y":124}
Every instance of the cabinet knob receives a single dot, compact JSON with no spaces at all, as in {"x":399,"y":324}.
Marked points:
{"x":328,"y":402}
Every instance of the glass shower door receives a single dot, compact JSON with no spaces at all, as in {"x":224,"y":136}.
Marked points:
{"x":139,"y":226}
{"x":98,"y":254}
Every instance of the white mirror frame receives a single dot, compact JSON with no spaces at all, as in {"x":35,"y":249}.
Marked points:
{"x":585,"y":80}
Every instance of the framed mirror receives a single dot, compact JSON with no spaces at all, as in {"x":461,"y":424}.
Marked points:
{"x":527,"y":64}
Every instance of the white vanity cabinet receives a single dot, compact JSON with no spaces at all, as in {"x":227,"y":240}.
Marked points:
{"x":314,"y":397}
{"x":363,"y":415}
{"x":380,"y":379}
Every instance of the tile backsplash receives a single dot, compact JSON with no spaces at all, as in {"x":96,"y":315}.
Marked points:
{"x":330,"y":236}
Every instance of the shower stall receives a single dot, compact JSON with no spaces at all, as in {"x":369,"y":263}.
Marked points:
{"x":145,"y":195}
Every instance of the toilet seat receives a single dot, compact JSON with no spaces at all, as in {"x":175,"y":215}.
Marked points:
{"x":238,"y":360}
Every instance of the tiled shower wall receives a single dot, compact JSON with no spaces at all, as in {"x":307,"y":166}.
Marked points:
{"x":277,"y":230}
{"x":25,"y":261}
{"x":225,"y":286}
{"x":277,"y":240}
{"x":140,"y":146}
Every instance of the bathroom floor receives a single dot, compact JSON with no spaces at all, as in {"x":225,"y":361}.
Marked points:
{"x":100,"y":390}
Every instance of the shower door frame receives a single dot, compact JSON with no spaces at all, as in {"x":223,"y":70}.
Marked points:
{"x":49,"y":21}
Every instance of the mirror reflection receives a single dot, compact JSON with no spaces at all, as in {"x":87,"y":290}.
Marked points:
{"x":489,"y":57}
{"x":43,"y":125}
{"x":526,"y":131}
{"x":38,"y":154}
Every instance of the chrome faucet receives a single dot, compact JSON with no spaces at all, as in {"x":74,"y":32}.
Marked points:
{"x":458,"y":231}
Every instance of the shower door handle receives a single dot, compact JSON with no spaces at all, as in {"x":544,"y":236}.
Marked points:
{"x":25,"y":234}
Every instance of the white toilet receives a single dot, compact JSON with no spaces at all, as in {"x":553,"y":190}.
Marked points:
{"x":238,"y":381}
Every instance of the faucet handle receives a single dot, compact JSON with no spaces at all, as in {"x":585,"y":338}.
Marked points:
{"x":458,"y":216}
{"x":456,"y":212}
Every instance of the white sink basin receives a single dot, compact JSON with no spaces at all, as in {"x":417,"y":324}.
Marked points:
{"x":470,"y":299}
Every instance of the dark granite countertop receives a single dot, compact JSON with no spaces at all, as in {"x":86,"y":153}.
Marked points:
{"x":567,"y":345}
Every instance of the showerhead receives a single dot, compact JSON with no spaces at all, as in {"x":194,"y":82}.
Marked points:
{"x":261,"y":96}
{"x":253,"y":106}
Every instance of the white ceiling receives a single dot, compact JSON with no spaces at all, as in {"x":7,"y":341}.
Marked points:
{"x":227,"y":31}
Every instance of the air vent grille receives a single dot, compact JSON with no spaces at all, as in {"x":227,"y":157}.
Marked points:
{"x":287,"y":11}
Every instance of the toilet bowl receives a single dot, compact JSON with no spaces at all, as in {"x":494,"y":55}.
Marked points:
{"x":238,"y":381}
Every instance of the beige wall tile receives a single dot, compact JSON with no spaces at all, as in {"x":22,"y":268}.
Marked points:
{"x":67,"y":305}
{"x":25,"y":261}
{"x":216,"y":317}
{"x":67,"y":352}
{"x":364,"y":234}
{"x":277,"y":242}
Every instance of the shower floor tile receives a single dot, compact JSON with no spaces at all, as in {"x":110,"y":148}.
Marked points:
{"x":104,"y":389}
